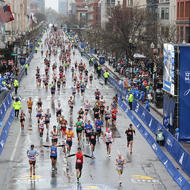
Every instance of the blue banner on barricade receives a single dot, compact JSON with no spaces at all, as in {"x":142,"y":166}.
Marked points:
{"x":5,"y":131}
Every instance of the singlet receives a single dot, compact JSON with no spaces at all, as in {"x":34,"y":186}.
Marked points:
{"x":129,"y":133}
{"x":93,"y":137}
{"x":119,"y":163}
{"x":29,"y":103}
{"x":39,"y":104}
{"x":41,"y":124}
{"x":87,"y":105}
{"x":108,"y":136}
{"x":107,"y":113}
{"x":79,"y":126}
{"x":82,"y":87}
{"x":114,"y":114}
{"x":54,"y":134}
{"x":79,"y":158}
{"x":47,"y":116}
{"x":53,"y":151}
{"x":69,"y":134}
{"x":74,"y":89}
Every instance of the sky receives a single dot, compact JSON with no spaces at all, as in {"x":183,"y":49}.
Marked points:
{"x":52,"y":3}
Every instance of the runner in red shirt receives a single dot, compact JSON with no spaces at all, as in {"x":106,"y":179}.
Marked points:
{"x":79,"y":162}
{"x":114,"y":116}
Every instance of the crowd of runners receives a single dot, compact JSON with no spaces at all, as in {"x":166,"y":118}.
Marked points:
{"x":95,"y":121}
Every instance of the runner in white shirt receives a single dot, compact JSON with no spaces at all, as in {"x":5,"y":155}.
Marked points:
{"x":108,"y":139}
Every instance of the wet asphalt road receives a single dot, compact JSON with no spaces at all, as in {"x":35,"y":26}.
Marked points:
{"x":143,"y":170}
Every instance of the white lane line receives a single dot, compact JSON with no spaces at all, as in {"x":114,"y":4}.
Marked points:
{"x":15,"y":147}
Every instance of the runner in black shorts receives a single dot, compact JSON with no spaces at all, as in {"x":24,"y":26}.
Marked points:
{"x":129,"y":132}
{"x":92,"y":141}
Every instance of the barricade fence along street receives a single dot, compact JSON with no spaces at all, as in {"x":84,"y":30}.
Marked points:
{"x":5,"y":131}
{"x":172,"y":170}
{"x":181,"y":156}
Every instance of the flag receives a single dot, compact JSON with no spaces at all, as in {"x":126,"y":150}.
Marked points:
{"x":31,"y":22}
{"x":6,"y":14}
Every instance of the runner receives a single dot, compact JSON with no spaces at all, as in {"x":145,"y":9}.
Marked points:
{"x":47,"y":117}
{"x":88,"y":130}
{"x":114,"y":116}
{"x":79,"y":130}
{"x":86,"y":107}
{"x":92,"y":142}
{"x":22,"y":119}
{"x":30,"y":104}
{"x":82,"y":87}
{"x":98,"y":125}
{"x":70,"y":135}
{"x":107,"y":116}
{"x":53,"y":154}
{"x":102,"y":111}
{"x":97,"y":94}
{"x":129,"y":132}
{"x":96,"y":111}
{"x":108,"y":138}
{"x":58,"y":111}
{"x":79,"y":162}
{"x":120,"y":161}
{"x":71,"y":104}
{"x":32,"y":154}
{"x":91,"y":78}
{"x":41,"y":126}
{"x":54,"y":134}
{"x":63,"y":123}
{"x":74,"y":90}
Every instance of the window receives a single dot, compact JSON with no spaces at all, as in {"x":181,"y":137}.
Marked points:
{"x":164,"y":13}
{"x":187,"y":9}
{"x":167,"y":13}
{"x":96,"y":17}
{"x":178,"y":9}
{"x":181,"y":34}
{"x":188,"y":34}
{"x":182,"y":9}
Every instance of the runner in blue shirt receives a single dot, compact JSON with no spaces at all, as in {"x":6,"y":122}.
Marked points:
{"x":88,"y":130}
{"x":32,"y":154}
{"x":98,"y":125}
{"x":53,"y":154}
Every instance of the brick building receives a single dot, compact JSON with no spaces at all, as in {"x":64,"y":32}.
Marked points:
{"x":183,"y":21}
{"x":93,"y":13}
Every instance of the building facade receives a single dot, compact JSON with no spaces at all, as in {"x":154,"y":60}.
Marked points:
{"x":2,"y":29}
{"x":63,"y":7}
{"x":20,"y":24}
{"x":36,"y":6}
{"x":94,"y":14}
{"x":183,"y":21}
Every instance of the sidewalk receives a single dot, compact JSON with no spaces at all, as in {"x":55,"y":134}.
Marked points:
{"x":157,"y":112}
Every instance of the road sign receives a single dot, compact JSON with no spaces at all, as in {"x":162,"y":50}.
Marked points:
{"x":10,"y":62}
{"x":14,"y":54}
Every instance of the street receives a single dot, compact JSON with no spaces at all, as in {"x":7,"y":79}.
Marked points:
{"x":143,"y":169}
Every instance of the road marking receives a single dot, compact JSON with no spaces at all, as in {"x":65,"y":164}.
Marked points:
{"x":144,"y":179}
{"x":91,"y":187}
{"x":15,"y":147}
{"x":28,"y":177}
{"x":141,"y":177}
